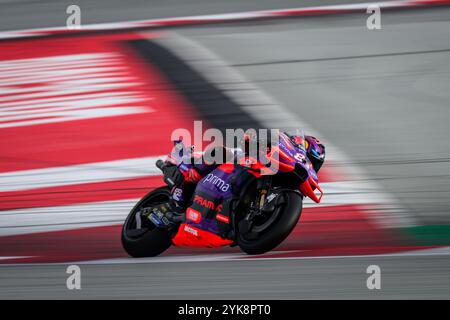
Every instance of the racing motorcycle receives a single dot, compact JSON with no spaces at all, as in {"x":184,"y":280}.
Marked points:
{"x":239,"y":203}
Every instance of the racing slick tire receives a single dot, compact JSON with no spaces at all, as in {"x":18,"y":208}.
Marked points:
{"x":149,"y":241}
{"x":277,"y":232}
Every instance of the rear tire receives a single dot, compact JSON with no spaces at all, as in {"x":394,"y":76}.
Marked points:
{"x":152,"y":242}
{"x":280,"y":229}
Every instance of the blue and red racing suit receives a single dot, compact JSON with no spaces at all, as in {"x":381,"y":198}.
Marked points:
{"x":189,"y":173}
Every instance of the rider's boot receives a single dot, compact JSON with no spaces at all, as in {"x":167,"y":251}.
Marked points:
{"x":176,"y":214}
{"x":169,"y":213}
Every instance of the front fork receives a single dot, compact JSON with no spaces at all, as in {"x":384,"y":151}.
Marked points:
{"x":263,"y":187}
{"x":256,"y":207}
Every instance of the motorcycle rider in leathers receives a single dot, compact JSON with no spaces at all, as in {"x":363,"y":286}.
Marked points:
{"x":185,"y":176}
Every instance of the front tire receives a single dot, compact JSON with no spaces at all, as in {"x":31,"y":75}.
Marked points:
{"x":148,"y":241}
{"x":290,"y":214}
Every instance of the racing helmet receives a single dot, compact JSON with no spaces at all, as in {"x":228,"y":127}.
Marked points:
{"x":315,"y":151}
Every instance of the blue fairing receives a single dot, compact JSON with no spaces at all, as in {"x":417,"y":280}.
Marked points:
{"x":216,"y":187}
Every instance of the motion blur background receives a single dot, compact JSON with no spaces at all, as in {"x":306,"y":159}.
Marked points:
{"x":380,"y":98}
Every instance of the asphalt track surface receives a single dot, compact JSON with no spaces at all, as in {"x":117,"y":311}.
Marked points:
{"x":25,"y":14}
{"x":402,"y":277}
{"x":381,"y":96}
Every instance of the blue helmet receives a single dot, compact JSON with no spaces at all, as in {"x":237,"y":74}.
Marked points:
{"x":315,"y":151}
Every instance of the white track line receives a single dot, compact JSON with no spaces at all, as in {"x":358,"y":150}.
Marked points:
{"x":77,"y":174}
{"x":58,"y":218}
{"x":14,"y":257}
{"x":239,"y":257}
{"x":228,"y":17}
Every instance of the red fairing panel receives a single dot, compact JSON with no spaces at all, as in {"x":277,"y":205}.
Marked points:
{"x":189,"y":236}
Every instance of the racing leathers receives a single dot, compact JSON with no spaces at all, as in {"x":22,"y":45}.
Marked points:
{"x":184,"y":176}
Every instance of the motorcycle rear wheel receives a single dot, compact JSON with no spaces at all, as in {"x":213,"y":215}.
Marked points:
{"x":279,"y":229}
{"x":148,"y":241}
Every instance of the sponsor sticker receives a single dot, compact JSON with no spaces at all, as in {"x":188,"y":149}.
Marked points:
{"x":222,"y":218}
{"x":218,"y":182}
{"x":193,"y":215}
{"x":191,"y":230}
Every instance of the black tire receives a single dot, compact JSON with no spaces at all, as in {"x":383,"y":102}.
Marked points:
{"x":151,"y":242}
{"x":290,"y":214}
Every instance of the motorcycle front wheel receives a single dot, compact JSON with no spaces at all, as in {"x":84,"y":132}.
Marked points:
{"x":269,"y":233}
{"x":140,"y":237}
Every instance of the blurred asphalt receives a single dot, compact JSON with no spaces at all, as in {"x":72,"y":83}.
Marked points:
{"x":419,"y":277}
{"x":381,"y":96}
{"x":25,"y":14}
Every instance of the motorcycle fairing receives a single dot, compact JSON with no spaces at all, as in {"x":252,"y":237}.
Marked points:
{"x":208,"y":219}
{"x":296,"y":155}
{"x":190,"y":236}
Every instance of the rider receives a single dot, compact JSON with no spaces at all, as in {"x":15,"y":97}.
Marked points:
{"x":184,"y":177}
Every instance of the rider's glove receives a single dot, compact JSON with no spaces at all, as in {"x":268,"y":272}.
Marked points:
{"x":172,"y":176}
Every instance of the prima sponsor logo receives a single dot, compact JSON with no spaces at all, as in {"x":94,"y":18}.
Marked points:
{"x":218,"y":182}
